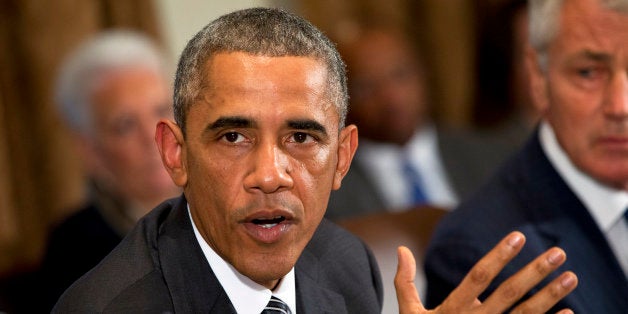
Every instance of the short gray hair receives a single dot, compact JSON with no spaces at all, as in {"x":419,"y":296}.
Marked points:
{"x":257,"y":31}
{"x":92,"y":61}
{"x":544,"y":20}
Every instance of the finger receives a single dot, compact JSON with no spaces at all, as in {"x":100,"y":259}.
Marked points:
{"x":483,"y":272}
{"x":407,"y":295}
{"x":543,"y":300}
{"x":511,"y":290}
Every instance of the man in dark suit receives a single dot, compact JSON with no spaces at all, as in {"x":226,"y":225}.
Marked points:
{"x":568,"y":186}
{"x":401,"y":146}
{"x":258,"y":144}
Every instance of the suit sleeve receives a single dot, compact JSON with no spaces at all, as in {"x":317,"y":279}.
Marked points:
{"x":446,"y":264}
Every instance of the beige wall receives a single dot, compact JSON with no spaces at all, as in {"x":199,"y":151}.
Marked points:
{"x":181,"y":19}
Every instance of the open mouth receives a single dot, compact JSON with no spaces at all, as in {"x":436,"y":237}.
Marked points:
{"x":268,"y":223}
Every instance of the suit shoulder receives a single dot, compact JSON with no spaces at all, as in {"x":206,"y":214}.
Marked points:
{"x":130,"y":270}
{"x":139,"y":294}
{"x":329,"y":240}
{"x":341,"y":262}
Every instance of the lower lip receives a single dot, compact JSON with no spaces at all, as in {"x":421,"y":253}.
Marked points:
{"x":267,"y":235}
{"x":614,"y":143}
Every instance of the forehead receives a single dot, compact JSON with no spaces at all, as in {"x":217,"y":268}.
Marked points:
{"x":238,"y":81}
{"x":129,"y":88}
{"x":589,"y":25}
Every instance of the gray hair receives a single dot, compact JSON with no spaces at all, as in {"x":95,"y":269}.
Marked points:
{"x":544,"y":18}
{"x":257,"y":31}
{"x":92,"y":61}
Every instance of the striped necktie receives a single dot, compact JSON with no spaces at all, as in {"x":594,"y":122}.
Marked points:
{"x":276,"y":306}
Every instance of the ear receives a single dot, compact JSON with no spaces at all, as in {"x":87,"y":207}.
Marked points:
{"x":347,"y":146}
{"x":171,"y":144}
{"x":538,"y":80}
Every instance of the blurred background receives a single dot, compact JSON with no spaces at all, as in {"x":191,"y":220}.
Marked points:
{"x":468,"y":47}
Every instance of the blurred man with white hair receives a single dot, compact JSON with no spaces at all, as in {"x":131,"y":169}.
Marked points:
{"x":111,"y":91}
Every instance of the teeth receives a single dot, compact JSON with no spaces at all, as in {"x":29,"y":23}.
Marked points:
{"x":268,"y":223}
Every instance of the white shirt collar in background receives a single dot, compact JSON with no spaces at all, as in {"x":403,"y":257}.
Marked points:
{"x":604,"y":203}
{"x":384,"y":162}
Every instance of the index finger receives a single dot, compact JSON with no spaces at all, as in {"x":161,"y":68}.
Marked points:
{"x":486,"y":269}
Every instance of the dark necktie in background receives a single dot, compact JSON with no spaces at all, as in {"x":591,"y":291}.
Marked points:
{"x":276,"y":306}
{"x":413,"y":178}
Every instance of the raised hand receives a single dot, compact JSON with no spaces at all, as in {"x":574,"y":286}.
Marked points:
{"x":464,"y":299}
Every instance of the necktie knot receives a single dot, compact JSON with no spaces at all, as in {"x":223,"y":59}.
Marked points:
{"x":276,"y":306}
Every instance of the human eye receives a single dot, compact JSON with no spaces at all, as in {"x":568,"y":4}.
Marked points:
{"x":123,"y":126}
{"x":588,"y":73}
{"x":302,"y":138}
{"x":233,"y":137}
{"x":590,"y":76}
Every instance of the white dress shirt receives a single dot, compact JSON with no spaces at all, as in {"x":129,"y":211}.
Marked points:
{"x":606,"y":204}
{"x":247,"y":296}
{"x":385,"y":164}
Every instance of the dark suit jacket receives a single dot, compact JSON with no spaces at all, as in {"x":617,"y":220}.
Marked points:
{"x":86,"y":232}
{"x":528,"y":195}
{"x":468,"y":159}
{"x":159,"y":267}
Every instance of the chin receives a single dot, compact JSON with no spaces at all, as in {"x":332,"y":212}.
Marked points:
{"x":267,"y":271}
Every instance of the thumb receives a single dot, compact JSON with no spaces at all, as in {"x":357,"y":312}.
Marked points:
{"x":407,"y":295}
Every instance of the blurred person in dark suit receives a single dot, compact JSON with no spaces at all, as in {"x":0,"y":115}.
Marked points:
{"x":111,"y":91}
{"x":405,"y":158}
{"x":568,"y":185}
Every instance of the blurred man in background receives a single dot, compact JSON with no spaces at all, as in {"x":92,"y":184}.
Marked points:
{"x":568,"y":186}
{"x":404,"y":159}
{"x":111,"y":91}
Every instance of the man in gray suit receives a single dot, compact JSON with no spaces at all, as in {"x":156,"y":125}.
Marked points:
{"x":404,"y":158}
{"x":258,"y":144}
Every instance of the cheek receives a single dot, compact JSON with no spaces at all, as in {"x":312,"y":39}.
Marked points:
{"x":574,"y":116}
{"x":213,"y":179}
{"x":121,"y":155}
{"x":317,"y":177}
{"x":572,"y":101}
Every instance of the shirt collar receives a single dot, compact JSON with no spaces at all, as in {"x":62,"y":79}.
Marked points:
{"x":605,"y":203}
{"x":247,"y":296}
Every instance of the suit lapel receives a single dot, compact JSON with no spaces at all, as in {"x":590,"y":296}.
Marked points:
{"x":312,"y":297}
{"x":192,"y":284}
{"x":561,"y":219}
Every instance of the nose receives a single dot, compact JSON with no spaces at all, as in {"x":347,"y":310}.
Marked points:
{"x":617,"y":102}
{"x":270,"y":171}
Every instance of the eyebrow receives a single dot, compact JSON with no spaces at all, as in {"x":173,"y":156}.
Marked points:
{"x":307,"y":124}
{"x":231,"y":122}
{"x":596,"y":56}
{"x":243,"y":122}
